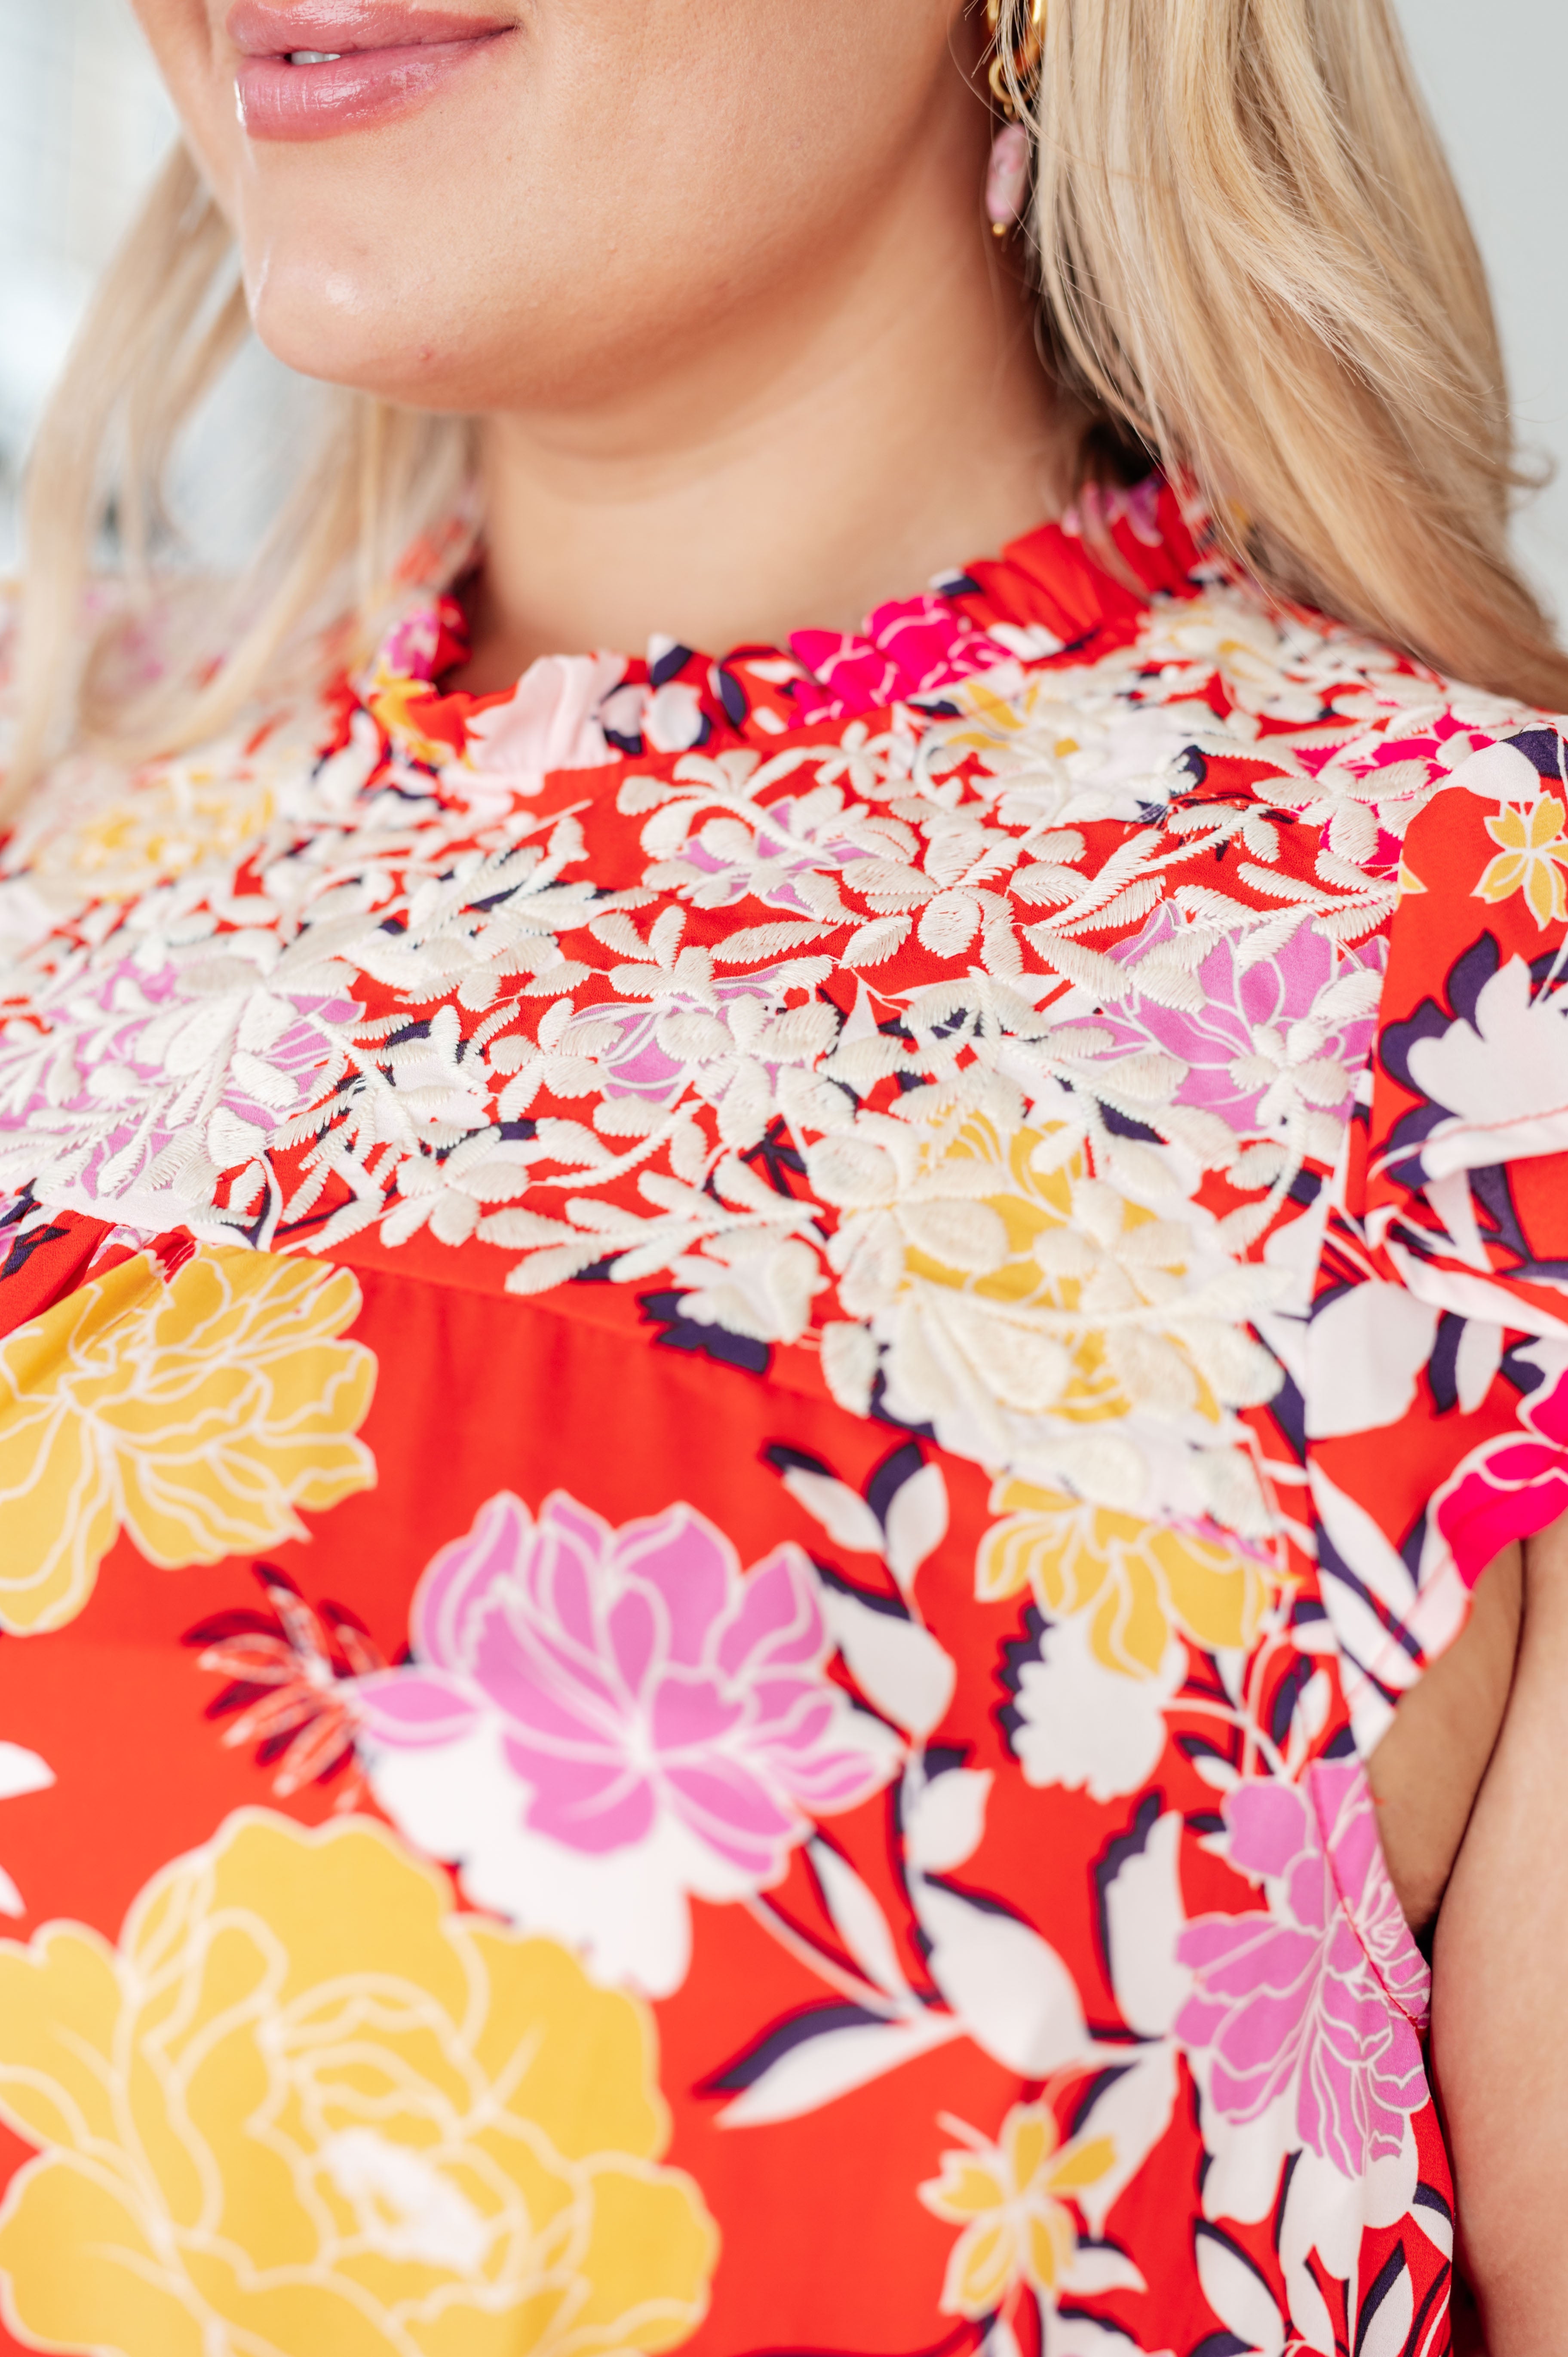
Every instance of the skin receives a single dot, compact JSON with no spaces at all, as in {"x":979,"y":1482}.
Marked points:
{"x":744,"y":353}
{"x":1428,"y":1769}
{"x":713,"y":278}
{"x":1499,"y":2029}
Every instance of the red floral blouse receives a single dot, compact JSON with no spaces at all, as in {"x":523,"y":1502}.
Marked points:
{"x":730,"y":1393}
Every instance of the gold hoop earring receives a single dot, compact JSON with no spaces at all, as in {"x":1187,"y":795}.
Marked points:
{"x":1012,"y":80}
{"x":1021,"y":72}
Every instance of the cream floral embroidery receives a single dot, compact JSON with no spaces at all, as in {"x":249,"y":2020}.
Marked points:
{"x":307,"y":2105}
{"x":188,"y":816}
{"x":195,"y":1415}
{"x":582,"y":1078}
{"x":1007,"y":1286}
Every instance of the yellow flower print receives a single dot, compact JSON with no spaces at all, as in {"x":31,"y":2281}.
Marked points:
{"x":197,"y":1415}
{"x":187,"y":816}
{"x":1139,"y":1582}
{"x":1011,"y":2199}
{"x":1533,"y":855}
{"x":309,"y":2109}
{"x":1069,"y":1258}
{"x":1008,"y":1282}
{"x":396,"y":703}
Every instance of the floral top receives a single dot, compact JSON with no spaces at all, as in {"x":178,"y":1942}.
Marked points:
{"x":731,"y":1393}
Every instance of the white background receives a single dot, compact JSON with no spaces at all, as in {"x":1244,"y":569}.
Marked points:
{"x":82,"y":123}
{"x":1496,"y":74}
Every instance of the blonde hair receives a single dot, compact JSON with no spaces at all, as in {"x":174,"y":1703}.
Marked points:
{"x":167,"y":317}
{"x":1253,"y":263}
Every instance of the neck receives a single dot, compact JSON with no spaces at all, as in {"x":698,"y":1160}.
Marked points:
{"x":827,"y":439}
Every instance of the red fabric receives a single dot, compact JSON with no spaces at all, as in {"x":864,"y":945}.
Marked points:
{"x":803,"y":1411}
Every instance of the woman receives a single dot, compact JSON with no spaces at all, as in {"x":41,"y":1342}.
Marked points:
{"x":740,"y":1388}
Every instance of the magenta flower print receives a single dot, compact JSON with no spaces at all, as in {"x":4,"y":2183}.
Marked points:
{"x":911,"y":647}
{"x":1311,"y":2009}
{"x":1515,"y":1484}
{"x":598,"y":1723}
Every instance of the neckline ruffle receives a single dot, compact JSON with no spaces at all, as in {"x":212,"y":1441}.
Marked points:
{"x":1047,"y":595}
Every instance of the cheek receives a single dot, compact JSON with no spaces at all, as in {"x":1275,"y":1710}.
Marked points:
{"x":611,"y":180}
{"x":513,"y":239}
{"x":184,"y":37}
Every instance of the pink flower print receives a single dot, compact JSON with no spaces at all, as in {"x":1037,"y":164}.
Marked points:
{"x":1291,"y":1030}
{"x":773,"y":858}
{"x":409,"y":647}
{"x":639,"y":1051}
{"x":915,"y":646}
{"x":145,"y":1062}
{"x":1102,"y":506}
{"x":598,"y":1722}
{"x":1515,"y":1485}
{"x":624,"y":1045}
{"x":1312,"y":2008}
{"x":551,"y":721}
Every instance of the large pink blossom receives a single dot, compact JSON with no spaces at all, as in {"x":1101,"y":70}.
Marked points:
{"x":1256,"y":1037}
{"x":637,"y":1675}
{"x":1322,"y":1998}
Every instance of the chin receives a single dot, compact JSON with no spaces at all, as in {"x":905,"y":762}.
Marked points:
{"x":400,"y":314}
{"x":363,"y":355}
{"x":349,"y":322}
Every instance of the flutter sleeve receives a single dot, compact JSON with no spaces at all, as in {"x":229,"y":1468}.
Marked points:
{"x":1437,"y":1358}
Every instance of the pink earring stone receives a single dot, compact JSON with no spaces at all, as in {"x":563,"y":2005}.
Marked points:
{"x":1008,"y":181}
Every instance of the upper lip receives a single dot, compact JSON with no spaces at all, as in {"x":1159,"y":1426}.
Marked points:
{"x":270,"y":28}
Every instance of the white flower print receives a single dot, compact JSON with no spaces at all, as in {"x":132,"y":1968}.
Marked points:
{"x":21,"y":1772}
{"x":1075,"y":1722}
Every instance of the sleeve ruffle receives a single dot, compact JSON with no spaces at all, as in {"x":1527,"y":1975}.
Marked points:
{"x":1437,"y":1356}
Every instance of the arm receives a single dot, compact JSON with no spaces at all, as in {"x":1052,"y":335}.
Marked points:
{"x":1427,"y":1770}
{"x":1500,"y":1991}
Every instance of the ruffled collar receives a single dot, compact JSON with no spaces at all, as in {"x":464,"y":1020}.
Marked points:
{"x":1045,"y":596}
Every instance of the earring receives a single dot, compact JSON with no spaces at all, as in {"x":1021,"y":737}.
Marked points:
{"x":1021,"y":72}
{"x":1008,"y":179}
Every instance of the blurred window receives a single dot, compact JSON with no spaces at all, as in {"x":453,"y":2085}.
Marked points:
{"x":83,"y":123}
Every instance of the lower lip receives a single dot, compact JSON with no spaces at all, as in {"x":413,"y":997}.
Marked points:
{"x":278,"y":101}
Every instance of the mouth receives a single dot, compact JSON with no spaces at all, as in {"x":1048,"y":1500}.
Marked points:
{"x":332,"y":66}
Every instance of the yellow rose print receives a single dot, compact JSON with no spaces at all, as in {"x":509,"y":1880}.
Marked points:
{"x":197,"y":1415}
{"x":309,"y":2109}
{"x":1011,"y":2199}
{"x":1139,"y":1582}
